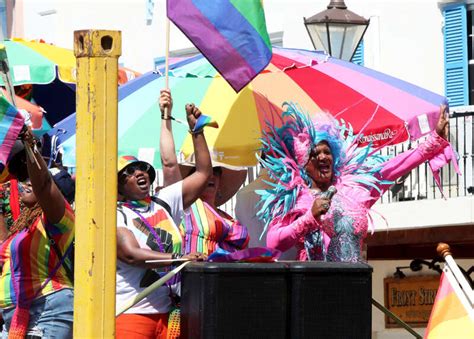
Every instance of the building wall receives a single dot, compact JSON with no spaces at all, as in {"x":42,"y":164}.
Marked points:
{"x":418,"y":59}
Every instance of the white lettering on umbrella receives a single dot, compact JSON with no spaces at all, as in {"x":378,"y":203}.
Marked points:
{"x":385,"y":135}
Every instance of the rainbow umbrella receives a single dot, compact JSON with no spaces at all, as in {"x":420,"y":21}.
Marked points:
{"x":387,"y":110}
{"x":52,"y":72}
{"x":40,"y":63}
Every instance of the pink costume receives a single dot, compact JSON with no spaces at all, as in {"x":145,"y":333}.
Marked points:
{"x":342,"y":230}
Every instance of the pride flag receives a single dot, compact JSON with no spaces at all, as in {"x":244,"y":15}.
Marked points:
{"x":204,"y":121}
{"x":11,"y":123}
{"x":231,"y":34}
{"x":449,"y":318}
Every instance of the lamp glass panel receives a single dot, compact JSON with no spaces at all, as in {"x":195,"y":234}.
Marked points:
{"x":344,"y":39}
{"x":319,"y":36}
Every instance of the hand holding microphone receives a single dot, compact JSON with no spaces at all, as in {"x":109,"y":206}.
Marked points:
{"x":323,"y":202}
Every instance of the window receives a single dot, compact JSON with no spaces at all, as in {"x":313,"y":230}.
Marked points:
{"x":457,"y":26}
{"x":276,"y":39}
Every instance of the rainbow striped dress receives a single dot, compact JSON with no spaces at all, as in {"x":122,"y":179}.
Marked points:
{"x":203,"y":230}
{"x":29,"y":262}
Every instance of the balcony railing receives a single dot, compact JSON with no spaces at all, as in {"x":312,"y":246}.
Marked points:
{"x":419,"y":184}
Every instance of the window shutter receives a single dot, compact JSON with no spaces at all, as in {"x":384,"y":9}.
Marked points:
{"x":358,"y":57}
{"x":455,"y":55}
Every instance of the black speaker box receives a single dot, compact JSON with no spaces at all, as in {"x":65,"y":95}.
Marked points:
{"x":330,"y":300}
{"x":276,"y":300}
{"x":234,"y":300}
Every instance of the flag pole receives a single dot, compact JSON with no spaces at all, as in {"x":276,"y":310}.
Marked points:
{"x":445,"y":252}
{"x":143,"y":294}
{"x":167,"y":63}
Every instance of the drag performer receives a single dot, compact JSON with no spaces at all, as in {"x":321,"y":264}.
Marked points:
{"x":324,"y":185}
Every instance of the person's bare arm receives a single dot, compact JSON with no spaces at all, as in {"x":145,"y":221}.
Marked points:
{"x":47,"y":193}
{"x":194,"y":184}
{"x":130,"y":252}
{"x":3,"y":229}
{"x":169,"y":161}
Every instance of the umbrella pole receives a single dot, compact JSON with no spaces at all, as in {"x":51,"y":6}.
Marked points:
{"x":8,"y":83}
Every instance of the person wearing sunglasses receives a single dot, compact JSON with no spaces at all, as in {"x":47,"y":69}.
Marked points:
{"x":146,"y":230}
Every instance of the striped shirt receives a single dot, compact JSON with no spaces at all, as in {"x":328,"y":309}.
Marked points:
{"x":31,"y":259}
{"x":203,"y":230}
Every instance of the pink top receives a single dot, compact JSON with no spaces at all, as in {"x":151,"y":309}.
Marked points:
{"x":346,"y":223}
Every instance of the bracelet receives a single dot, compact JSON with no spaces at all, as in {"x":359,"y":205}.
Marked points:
{"x":169,"y":117}
{"x":176,"y":256}
{"x":196,"y":132}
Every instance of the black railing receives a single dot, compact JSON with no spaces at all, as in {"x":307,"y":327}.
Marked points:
{"x":420,"y":184}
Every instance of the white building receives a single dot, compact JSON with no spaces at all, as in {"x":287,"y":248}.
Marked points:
{"x":405,"y":39}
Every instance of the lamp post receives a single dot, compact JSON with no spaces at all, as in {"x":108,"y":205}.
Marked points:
{"x":336,"y":30}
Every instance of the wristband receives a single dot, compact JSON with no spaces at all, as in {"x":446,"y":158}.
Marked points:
{"x":176,"y":256}
{"x":199,"y":131}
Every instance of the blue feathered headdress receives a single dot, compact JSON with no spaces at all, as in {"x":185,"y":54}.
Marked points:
{"x":287,"y":150}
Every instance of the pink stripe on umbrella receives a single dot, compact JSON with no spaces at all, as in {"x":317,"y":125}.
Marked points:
{"x":399,"y":102}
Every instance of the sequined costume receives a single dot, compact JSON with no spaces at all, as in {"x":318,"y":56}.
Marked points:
{"x":360,"y":176}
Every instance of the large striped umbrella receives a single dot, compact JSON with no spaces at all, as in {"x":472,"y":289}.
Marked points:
{"x":40,"y":63}
{"x":52,"y":72}
{"x":388,"y":110}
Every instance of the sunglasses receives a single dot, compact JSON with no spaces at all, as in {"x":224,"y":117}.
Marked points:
{"x":22,"y":185}
{"x":130,"y":170}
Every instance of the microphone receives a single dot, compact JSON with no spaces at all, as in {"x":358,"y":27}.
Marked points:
{"x":329,"y":193}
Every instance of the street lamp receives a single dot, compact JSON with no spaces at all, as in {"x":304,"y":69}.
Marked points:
{"x":336,"y":30}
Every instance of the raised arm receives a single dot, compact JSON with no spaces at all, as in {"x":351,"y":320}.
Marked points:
{"x":194,"y":184}
{"x":3,"y":223}
{"x":407,"y":161}
{"x":169,"y":161}
{"x":47,"y":193}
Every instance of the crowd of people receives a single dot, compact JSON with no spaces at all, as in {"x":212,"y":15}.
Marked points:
{"x":315,"y":195}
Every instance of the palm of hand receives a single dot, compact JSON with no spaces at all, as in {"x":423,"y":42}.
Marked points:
{"x":442,"y":128}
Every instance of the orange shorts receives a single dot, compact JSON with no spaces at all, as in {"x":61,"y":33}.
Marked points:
{"x":141,"y":326}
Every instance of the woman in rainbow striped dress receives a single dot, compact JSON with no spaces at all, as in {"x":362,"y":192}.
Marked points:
{"x":36,"y":287}
{"x":205,"y":227}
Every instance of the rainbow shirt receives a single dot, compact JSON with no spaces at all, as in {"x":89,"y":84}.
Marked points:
{"x":204,"y":230}
{"x":138,"y":217}
{"x":29,"y":256}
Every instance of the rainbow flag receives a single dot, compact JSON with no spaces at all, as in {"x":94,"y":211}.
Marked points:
{"x":11,"y":123}
{"x":203,"y":121}
{"x":231,"y":34}
{"x":449,"y":318}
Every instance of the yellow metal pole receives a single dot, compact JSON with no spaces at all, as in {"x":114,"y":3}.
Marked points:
{"x":97,"y":53}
